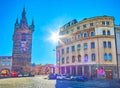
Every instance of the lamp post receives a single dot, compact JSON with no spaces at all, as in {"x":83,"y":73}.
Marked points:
{"x":57,"y":59}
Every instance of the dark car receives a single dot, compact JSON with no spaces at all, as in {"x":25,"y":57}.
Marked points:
{"x":85,"y":78}
{"x":80,"y":78}
{"x":31,"y":75}
{"x":52,"y":76}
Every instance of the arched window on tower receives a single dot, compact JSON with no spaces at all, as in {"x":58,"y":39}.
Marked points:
{"x":105,"y":56}
{"x":110,"y":56}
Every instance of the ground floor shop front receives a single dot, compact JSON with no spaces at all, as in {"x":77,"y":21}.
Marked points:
{"x":101,"y":71}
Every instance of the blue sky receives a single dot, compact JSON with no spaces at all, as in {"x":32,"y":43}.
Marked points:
{"x":48,"y":16}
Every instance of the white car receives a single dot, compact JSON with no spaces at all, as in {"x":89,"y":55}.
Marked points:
{"x":61,"y":76}
{"x":20,"y":75}
{"x":73,"y":77}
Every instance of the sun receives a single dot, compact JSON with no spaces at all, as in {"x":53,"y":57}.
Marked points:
{"x":54,"y":37}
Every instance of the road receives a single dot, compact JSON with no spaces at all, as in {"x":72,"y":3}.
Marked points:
{"x":42,"y":82}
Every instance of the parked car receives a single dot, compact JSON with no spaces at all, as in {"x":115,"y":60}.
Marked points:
{"x":31,"y":75}
{"x":26,"y":75}
{"x":73,"y":77}
{"x":52,"y":76}
{"x":68,"y":77}
{"x":85,"y":78}
{"x":61,"y":77}
{"x":20,"y":75}
{"x":81,"y":78}
{"x":14,"y":74}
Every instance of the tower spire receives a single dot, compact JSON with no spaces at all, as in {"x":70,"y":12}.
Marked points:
{"x":24,"y":12}
{"x":32,"y":22}
{"x":16,"y":20}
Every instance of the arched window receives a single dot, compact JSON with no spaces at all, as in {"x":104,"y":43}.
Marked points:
{"x":93,"y":57}
{"x":63,"y":60}
{"x":67,"y":60}
{"x":78,"y":36}
{"x":86,"y":58}
{"x":105,"y":56}
{"x":92,"y":34}
{"x":85,"y":35}
{"x":110,"y":56}
{"x":108,"y":32}
{"x":104,"y":32}
{"x":79,"y":58}
{"x":73,"y":59}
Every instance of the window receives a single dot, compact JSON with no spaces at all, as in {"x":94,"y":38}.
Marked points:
{"x":110,"y":56}
{"x":91,"y":24}
{"x":78,"y":28}
{"x":104,"y":33}
{"x":78,"y":47}
{"x":73,"y":48}
{"x":108,"y":32}
{"x":73,"y":38}
{"x":67,"y":49}
{"x":79,"y":58}
{"x":86,"y":58}
{"x":67,"y":41}
{"x":104,"y":44}
{"x":103,"y":22}
{"x":93,"y":57}
{"x":72,"y":30}
{"x":85,"y":46}
{"x":73,"y":59}
{"x":105,"y":56}
{"x":84,"y":26}
{"x":92,"y":45}
{"x":67,"y":32}
{"x":8,"y":63}
{"x":67,"y":60}
{"x":109,"y":44}
{"x":3,"y":63}
{"x":107,"y":22}
{"x":63,"y":60}
{"x":92,"y":34}
{"x":62,"y":51}
{"x":85,"y":35}
{"x":78,"y":36}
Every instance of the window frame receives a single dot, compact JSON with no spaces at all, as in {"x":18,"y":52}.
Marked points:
{"x":85,"y":46}
{"x":92,"y":45}
{"x":73,"y":59}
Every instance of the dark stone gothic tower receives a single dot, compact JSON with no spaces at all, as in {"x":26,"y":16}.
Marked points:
{"x":22,"y":45}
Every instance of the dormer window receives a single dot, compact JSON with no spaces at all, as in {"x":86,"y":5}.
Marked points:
{"x":84,"y":26}
{"x":91,"y":24}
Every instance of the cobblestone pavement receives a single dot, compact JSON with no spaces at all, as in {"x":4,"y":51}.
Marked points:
{"x":27,"y":82}
{"x":42,"y":82}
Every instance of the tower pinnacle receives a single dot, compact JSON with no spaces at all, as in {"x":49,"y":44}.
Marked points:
{"x":24,"y":12}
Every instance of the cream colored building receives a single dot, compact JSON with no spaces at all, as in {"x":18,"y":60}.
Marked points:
{"x":87,"y":47}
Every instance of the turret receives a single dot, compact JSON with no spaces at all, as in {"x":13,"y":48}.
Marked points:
{"x":16,"y":24}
